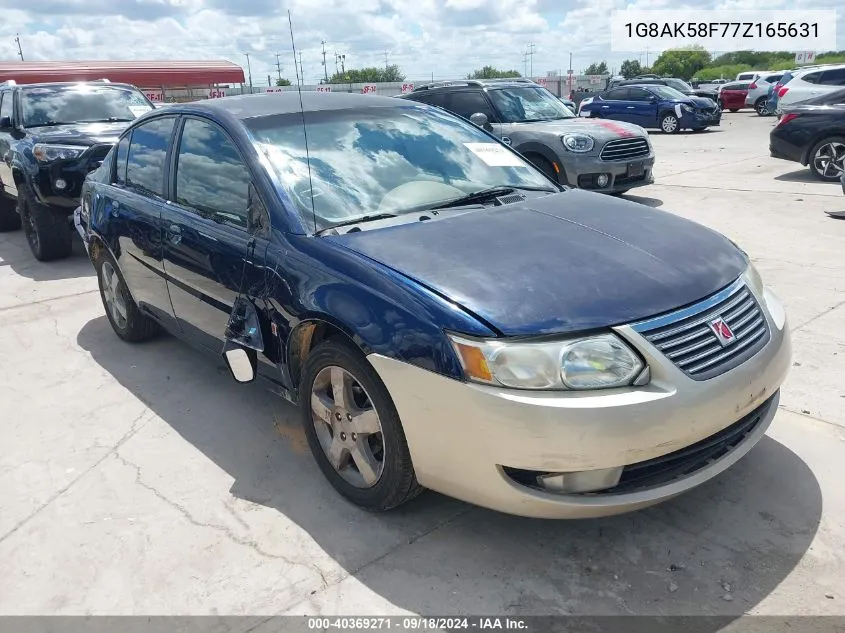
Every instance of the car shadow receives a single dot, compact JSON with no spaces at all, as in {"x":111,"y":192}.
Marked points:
{"x":15,"y":253}
{"x":718,"y":550}
{"x":649,"y":202}
{"x":804,"y":175}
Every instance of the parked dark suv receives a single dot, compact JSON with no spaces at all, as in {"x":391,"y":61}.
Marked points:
{"x":51,"y":136}
{"x":672,"y":82}
{"x":604,"y":156}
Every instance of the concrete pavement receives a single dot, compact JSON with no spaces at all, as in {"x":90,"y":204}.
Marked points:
{"x":143,"y":480}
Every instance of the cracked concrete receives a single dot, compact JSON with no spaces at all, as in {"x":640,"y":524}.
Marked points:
{"x":142,"y":480}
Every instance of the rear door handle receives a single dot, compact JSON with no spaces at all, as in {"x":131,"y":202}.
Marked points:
{"x":605,"y":107}
{"x":629,"y":107}
{"x":174,"y":233}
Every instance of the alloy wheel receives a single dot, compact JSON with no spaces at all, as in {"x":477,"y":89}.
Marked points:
{"x":761,"y":108}
{"x":669,"y":124}
{"x":113,"y":294}
{"x":347,"y":426}
{"x":829,"y":160}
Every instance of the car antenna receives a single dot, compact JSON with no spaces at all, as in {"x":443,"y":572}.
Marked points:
{"x":302,"y":113}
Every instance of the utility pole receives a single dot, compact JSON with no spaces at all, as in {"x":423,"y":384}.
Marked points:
{"x":385,"y":59}
{"x":525,"y":64}
{"x":279,"y":66}
{"x":646,"y":57}
{"x":249,"y":71}
{"x":269,"y":81}
{"x":530,"y":54}
{"x":342,"y":60}
{"x":569,"y":72}
{"x":325,"y":68}
{"x":18,"y":40}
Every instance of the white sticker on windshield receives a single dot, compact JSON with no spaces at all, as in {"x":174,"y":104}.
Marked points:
{"x":139,"y":110}
{"x":495,"y":155}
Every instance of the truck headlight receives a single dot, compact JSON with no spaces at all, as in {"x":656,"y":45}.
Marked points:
{"x":594,"y":362}
{"x":46,"y":153}
{"x":579,"y":143}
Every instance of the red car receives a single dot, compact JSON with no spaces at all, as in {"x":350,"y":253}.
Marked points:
{"x":732,"y":95}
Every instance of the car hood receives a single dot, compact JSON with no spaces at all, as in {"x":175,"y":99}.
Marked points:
{"x":79,"y":133}
{"x":709,"y":94}
{"x":561,"y":263}
{"x":600,"y":129}
{"x":701,"y":102}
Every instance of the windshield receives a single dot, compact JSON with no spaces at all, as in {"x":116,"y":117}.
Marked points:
{"x":665,"y":92}
{"x":529,"y":103}
{"x":679,"y":84}
{"x":386,"y":160}
{"x":81,"y":103}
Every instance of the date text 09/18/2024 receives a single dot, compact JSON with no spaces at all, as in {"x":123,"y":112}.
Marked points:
{"x":417,"y":623}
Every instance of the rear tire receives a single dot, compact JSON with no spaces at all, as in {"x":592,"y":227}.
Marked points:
{"x":827,"y":158}
{"x":9,"y":218}
{"x":734,"y":109}
{"x":126,"y":319}
{"x":388,"y":480}
{"x":760,"y":107}
{"x":47,"y":231}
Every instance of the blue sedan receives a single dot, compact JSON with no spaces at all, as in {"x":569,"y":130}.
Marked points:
{"x":442,"y":314}
{"x":653,"y":106}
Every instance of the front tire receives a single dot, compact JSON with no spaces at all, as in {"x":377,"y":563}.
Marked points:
{"x":47,"y":231}
{"x":669,"y":123}
{"x":827,"y":158}
{"x":127,"y":320}
{"x":9,"y":218}
{"x":353,"y":428}
{"x":760,"y":107}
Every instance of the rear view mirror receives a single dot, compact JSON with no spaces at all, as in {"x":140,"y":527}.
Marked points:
{"x":242,"y":363}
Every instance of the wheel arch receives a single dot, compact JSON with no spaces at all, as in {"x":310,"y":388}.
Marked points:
{"x":818,"y":138}
{"x":309,"y":333}
{"x":542,"y":150}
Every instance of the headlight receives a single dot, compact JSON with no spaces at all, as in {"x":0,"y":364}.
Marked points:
{"x":753,"y":279}
{"x":687,"y":108}
{"x":48,"y":153}
{"x":594,"y":362}
{"x":578,"y":142}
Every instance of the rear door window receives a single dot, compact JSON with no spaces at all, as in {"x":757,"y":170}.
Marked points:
{"x":639,"y":94}
{"x":148,"y":156}
{"x":834,"y":77}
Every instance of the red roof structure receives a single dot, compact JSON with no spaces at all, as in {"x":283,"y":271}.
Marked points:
{"x":144,"y":74}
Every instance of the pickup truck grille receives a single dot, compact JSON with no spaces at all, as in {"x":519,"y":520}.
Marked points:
{"x":625,"y":149}
{"x":688,"y":337}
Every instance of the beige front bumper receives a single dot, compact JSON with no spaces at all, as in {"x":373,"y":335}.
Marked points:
{"x":461,"y":434}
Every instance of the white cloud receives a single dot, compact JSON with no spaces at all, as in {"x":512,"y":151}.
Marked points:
{"x":443,"y":38}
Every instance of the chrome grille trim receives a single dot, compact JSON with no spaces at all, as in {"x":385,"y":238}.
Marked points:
{"x":625,"y":149}
{"x":685,"y":337}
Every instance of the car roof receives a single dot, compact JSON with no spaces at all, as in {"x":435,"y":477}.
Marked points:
{"x":53,"y":84}
{"x":808,"y":69}
{"x":258,"y":105}
{"x":512,"y":82}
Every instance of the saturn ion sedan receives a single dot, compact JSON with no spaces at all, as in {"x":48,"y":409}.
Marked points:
{"x":443,"y":315}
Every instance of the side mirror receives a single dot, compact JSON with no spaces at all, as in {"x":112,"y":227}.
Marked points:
{"x":480,"y":119}
{"x":242,"y":362}
{"x":244,"y":328}
{"x":5,"y":123}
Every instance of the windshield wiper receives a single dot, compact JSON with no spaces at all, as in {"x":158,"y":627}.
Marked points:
{"x":487,"y":194}
{"x":111,"y":119}
{"x":45,"y":124}
{"x":363,"y":218}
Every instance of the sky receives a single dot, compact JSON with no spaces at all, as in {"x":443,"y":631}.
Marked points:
{"x":425,"y":38}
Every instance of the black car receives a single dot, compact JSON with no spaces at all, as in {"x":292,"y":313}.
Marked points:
{"x":678,"y":84}
{"x":812,"y":135}
{"x":51,"y":136}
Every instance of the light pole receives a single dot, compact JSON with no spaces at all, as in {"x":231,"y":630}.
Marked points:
{"x":249,"y":71}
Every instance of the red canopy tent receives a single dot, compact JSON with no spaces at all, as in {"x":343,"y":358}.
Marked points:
{"x":144,"y":74}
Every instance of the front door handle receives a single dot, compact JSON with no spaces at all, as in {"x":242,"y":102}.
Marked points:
{"x":174,"y":233}
{"x":630,"y":107}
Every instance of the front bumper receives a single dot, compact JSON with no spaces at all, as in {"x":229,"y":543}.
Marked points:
{"x":582,"y":172}
{"x":695,"y":120}
{"x":72,"y":172}
{"x":465,"y":438}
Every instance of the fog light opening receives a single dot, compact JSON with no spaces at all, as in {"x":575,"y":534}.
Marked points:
{"x":60,"y":183}
{"x":602,"y":180}
{"x":583,"y":481}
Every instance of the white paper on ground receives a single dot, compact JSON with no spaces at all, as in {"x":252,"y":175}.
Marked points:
{"x":495,"y":155}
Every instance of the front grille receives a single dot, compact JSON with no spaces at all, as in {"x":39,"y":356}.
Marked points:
{"x":688,"y":340}
{"x":625,"y":149}
{"x":623,"y":180}
{"x":686,"y":461}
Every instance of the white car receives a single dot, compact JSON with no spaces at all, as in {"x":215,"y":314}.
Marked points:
{"x":758,"y":91}
{"x":811,"y":82}
{"x":750,"y":75}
